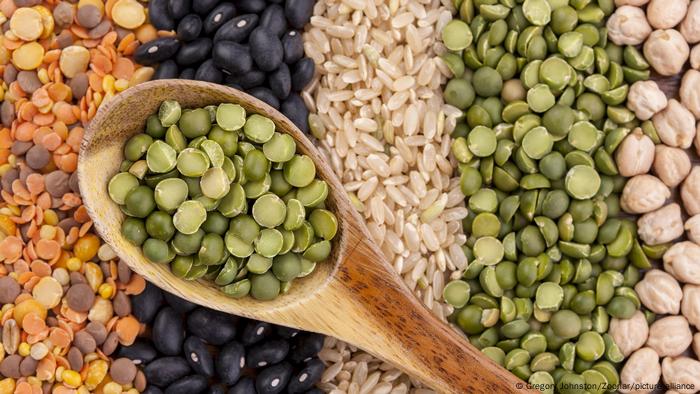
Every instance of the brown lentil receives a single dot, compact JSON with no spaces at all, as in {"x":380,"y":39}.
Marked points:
{"x":9,"y":290}
{"x":122,"y":371}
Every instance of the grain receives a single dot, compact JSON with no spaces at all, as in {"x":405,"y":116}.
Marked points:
{"x":377,"y":95}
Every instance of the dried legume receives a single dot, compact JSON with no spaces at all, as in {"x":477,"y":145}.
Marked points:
{"x":231,"y":228}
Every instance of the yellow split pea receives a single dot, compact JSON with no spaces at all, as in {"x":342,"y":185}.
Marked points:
{"x":128,"y":14}
{"x":26,"y":24}
{"x":28,"y":56}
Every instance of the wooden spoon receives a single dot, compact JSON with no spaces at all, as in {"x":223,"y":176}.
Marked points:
{"x":356,"y":296}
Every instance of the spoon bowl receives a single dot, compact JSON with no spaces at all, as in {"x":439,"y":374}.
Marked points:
{"x":355,"y":295}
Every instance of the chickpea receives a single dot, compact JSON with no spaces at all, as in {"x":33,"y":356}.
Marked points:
{"x":683,"y":373}
{"x":635,"y":154}
{"x":690,"y":92}
{"x":690,"y":27}
{"x":690,"y":192}
{"x":692,"y":229}
{"x":644,"y":193}
{"x":666,"y":51}
{"x":628,"y":26}
{"x":670,"y":336}
{"x":636,"y":3}
{"x":695,"y":57}
{"x":672,"y":165}
{"x":661,"y":226}
{"x":645,"y":99}
{"x":690,"y":307}
{"x":675,"y":125}
{"x":665,"y":14}
{"x":629,"y":334}
{"x":660,"y":292}
{"x":696,"y":344}
{"x":642,"y":367}
{"x":682,"y":260}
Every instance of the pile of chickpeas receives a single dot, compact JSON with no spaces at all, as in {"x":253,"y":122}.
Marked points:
{"x":665,"y":190}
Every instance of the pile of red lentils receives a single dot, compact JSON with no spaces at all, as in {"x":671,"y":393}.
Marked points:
{"x":64,"y":294}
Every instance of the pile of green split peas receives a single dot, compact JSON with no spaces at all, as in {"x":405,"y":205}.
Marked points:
{"x":551,"y":261}
{"x":223,"y":196}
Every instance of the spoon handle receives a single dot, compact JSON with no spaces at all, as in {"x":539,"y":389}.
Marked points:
{"x":379,"y":313}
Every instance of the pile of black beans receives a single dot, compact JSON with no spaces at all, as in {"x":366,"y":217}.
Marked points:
{"x":251,"y":45}
{"x":189,"y":349}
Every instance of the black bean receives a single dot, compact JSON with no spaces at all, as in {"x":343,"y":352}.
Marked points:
{"x":266,"y":49}
{"x":267,"y":353}
{"x":273,"y":19}
{"x":199,"y":357}
{"x":218,"y":16}
{"x":208,"y":72}
{"x":216,"y":390}
{"x":168,"y":332}
{"x":140,"y":352}
{"x":298,"y":12}
{"x":179,"y":304}
{"x":286,"y":332}
{"x":251,"y":79}
{"x":273,"y":380}
{"x":189,"y":27}
{"x":213,"y":327}
{"x":306,"y":346}
{"x":295,"y":109}
{"x":252,"y":6}
{"x":156,"y":51}
{"x":178,"y":9}
{"x":166,"y":70}
{"x":193,"y":384}
{"x":237,"y":29}
{"x":145,"y":305}
{"x":254,"y":331}
{"x":188,"y":73}
{"x":159,"y":16}
{"x":314,"y":391}
{"x":244,"y":386}
{"x":293,"y":45}
{"x":235,"y":86}
{"x":264,"y":94}
{"x":194,"y":52}
{"x":280,"y":82}
{"x":202,"y":7}
{"x":163,"y":371}
{"x":229,"y":363}
{"x":151,"y":389}
{"x":307,"y":377}
{"x":302,"y":73}
{"x":232,"y":57}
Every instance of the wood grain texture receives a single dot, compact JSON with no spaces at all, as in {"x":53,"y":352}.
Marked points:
{"x":355,"y":296}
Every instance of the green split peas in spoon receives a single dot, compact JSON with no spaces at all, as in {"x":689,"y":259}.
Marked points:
{"x":221,"y":195}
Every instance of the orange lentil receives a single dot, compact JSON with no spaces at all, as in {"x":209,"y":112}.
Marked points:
{"x":27,"y":111}
{"x":123,"y":68}
{"x":51,"y":141}
{"x":5,"y":138}
{"x":44,"y":119}
{"x":40,"y":268}
{"x":47,"y":249}
{"x":35,"y":183}
{"x":59,"y":92}
{"x":60,"y":337}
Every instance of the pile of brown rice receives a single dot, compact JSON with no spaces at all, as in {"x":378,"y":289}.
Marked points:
{"x":381,"y":121}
